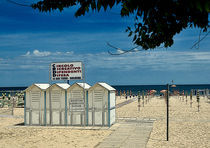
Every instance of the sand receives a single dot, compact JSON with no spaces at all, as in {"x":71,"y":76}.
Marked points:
{"x":122,"y":99}
{"x":188,"y":127}
{"x":31,"y":137}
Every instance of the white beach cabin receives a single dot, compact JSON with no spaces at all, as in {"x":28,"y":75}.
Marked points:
{"x":77,"y":98}
{"x":101,"y":105}
{"x":35,"y":104}
{"x":56,"y":106}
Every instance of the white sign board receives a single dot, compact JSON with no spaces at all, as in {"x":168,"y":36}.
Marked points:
{"x":66,"y":71}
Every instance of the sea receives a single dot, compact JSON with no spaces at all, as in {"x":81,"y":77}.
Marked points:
{"x":180,"y":88}
{"x":133,"y":88}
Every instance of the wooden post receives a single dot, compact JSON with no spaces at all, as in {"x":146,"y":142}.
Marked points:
{"x":191,"y":98}
{"x":146,"y":99}
{"x":186,"y":97}
{"x":12,"y":104}
{"x":198,"y":99}
{"x":143,"y":98}
{"x":127,"y":93}
{"x":182,"y":95}
{"x":138,"y":100}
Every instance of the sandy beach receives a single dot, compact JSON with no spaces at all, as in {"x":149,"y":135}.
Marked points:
{"x":19,"y":136}
{"x":188,"y":127}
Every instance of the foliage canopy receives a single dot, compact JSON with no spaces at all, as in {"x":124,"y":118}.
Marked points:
{"x":156,"y":22}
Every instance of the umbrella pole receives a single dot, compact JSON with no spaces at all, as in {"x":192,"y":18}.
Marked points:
{"x":167,"y":114}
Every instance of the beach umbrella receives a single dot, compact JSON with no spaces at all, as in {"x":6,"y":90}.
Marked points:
{"x":153,"y":91}
{"x":173,"y":85}
{"x":163,"y":91}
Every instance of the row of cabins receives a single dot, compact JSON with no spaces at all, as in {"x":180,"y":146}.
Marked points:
{"x":62,"y":104}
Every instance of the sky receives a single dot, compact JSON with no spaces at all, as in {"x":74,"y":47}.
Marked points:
{"x":30,"y":40}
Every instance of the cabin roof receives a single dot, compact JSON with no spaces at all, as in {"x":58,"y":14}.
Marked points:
{"x":42,"y":86}
{"x":106,"y":86}
{"x":62,"y":85}
{"x":84,"y":85}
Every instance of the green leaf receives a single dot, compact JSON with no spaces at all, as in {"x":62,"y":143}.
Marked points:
{"x":93,"y":5}
{"x":99,"y":5}
{"x":105,"y":7}
{"x":60,"y":8}
{"x":207,"y":7}
{"x":131,"y":32}
{"x":149,"y":16}
{"x":134,"y":38}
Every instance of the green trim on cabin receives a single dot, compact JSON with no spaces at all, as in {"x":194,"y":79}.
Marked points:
{"x":65,"y":107}
{"x":24,"y":108}
{"x":45,"y":109}
{"x":87,"y":108}
{"x":109,"y":108}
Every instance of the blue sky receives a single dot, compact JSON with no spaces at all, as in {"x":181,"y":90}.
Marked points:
{"x":30,"y":41}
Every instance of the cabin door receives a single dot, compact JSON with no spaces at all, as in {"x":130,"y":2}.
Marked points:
{"x":34,"y":117}
{"x":55,"y":107}
{"x":98,"y":107}
{"x":77,"y":107}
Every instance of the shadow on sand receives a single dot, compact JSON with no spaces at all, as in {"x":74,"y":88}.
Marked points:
{"x":158,"y":139}
{"x":20,"y":124}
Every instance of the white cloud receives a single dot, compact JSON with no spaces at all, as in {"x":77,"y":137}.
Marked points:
{"x":37,"y":53}
{"x":41,"y":54}
{"x":25,"y":66}
{"x":119,"y":51}
{"x":58,"y":52}
{"x":69,"y":52}
{"x":135,"y":49}
{"x":28,"y":53}
{"x":159,"y":60}
{"x":155,"y":60}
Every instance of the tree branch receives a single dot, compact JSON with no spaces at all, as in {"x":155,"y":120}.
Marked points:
{"x":122,"y":51}
{"x":199,"y":40}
